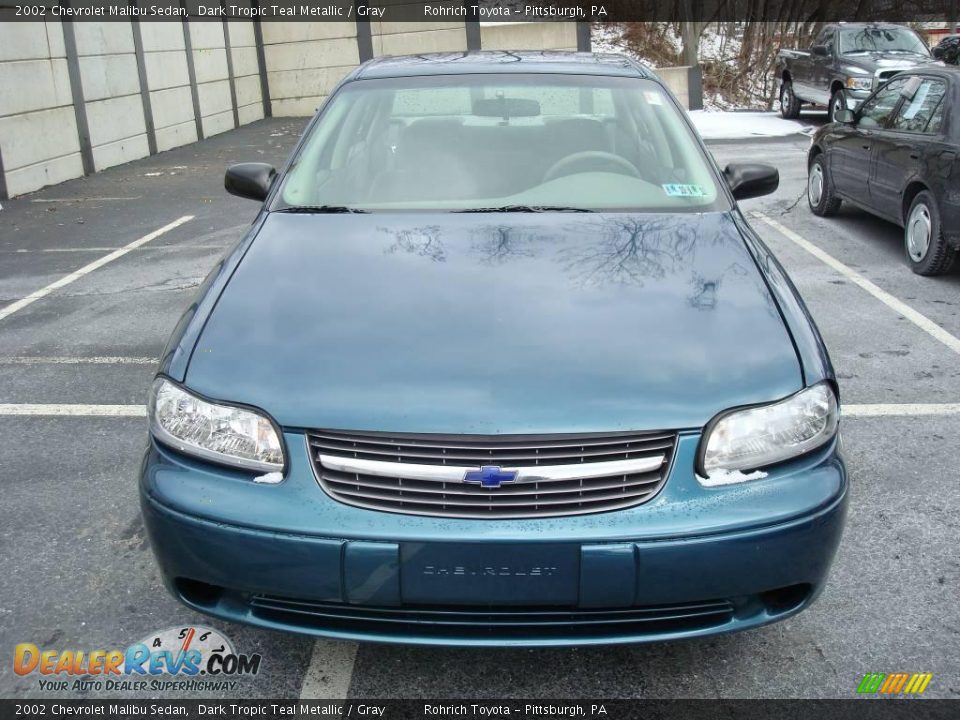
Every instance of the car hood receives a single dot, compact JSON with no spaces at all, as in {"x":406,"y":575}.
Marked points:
{"x":505,"y":323}
{"x":878,"y":60}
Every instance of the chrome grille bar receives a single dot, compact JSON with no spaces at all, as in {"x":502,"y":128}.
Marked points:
{"x":506,"y":501}
{"x":455,"y":473}
{"x":434,"y":488}
{"x":556,"y":475}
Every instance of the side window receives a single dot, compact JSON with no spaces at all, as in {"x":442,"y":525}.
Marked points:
{"x":876,"y":111}
{"x":825,"y":38}
{"x":915,"y":114}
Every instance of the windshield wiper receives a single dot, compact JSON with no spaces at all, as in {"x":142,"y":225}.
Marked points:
{"x":308,"y":209}
{"x":525,"y":209}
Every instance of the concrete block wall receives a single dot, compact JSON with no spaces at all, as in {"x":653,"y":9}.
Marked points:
{"x":111,"y":92}
{"x":411,"y":38}
{"x":528,"y":36}
{"x":42,"y":141}
{"x":132,"y":88}
{"x":305,"y":61}
{"x":208,"y":43}
{"x":168,"y":84}
{"x":39,"y":144}
{"x":246,"y":71}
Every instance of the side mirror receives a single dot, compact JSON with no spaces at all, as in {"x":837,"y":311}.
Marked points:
{"x":844,"y":116}
{"x":748,"y":180}
{"x":938,"y":53}
{"x":249,"y":180}
{"x":821,"y":50}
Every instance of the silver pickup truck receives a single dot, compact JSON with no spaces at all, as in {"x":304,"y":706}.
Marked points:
{"x":846,"y":62}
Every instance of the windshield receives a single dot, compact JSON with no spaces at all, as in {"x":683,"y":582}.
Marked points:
{"x":894,"y":39}
{"x":503,"y":142}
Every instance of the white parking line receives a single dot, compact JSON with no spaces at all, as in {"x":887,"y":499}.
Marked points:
{"x":55,"y":410}
{"x":94,"y":248}
{"x":83,"y":410}
{"x":330,"y":670}
{"x":55,"y":360}
{"x":77,"y":274}
{"x":921,"y":321}
{"x":50,"y":250}
{"x":84,"y":199}
{"x":906,"y":409}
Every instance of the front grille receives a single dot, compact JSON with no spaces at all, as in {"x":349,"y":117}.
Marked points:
{"x":509,"y":623}
{"x":421,"y":474}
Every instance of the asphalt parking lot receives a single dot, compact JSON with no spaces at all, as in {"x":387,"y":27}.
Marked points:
{"x":78,"y":572}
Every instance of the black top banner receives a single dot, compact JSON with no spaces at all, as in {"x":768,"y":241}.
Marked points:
{"x":800,"y":11}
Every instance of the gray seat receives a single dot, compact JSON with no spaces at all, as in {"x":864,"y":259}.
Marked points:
{"x":427,"y":165}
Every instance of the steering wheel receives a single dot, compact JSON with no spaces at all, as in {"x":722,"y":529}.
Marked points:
{"x":571,"y":164}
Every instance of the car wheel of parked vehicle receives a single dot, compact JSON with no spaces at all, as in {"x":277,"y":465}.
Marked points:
{"x":838,"y":102}
{"x":927,"y":249}
{"x":820,"y":194}
{"x":789,"y":103}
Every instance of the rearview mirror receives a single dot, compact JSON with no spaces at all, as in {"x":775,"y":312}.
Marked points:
{"x":843,"y":116}
{"x":748,"y":180}
{"x":911,"y":87}
{"x":249,"y":180}
{"x":821,"y":50}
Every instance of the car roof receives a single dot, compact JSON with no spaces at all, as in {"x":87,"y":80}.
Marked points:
{"x":502,"y":61}
{"x":947,"y":72}
{"x":857,"y":25}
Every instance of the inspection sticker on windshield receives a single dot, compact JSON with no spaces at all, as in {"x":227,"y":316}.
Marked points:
{"x":681,"y":190}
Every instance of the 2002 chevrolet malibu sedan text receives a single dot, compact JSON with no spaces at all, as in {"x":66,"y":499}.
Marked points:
{"x":498,"y":362}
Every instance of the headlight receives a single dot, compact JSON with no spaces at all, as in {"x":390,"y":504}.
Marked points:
{"x":760,"y":436}
{"x":222,"y":433}
{"x":860,"y":83}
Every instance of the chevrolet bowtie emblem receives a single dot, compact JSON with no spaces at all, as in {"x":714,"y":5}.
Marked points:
{"x":490,"y":476}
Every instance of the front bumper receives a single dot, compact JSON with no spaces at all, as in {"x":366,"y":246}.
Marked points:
{"x":692,"y":561}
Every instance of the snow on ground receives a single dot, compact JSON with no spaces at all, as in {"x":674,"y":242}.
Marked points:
{"x":730,"y":125}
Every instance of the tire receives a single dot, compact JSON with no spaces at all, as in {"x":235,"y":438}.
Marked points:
{"x":927,"y":250}
{"x":821,"y":196}
{"x":838,"y":101}
{"x":789,"y":103}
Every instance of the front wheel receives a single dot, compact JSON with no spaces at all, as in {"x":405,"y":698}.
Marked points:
{"x":838,"y":102}
{"x":927,"y":250}
{"x":789,"y":103}
{"x":820,"y":193}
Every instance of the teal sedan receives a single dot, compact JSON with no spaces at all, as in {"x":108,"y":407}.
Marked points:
{"x":499,"y":362}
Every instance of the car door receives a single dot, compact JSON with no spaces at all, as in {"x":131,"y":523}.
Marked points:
{"x":808,"y":68}
{"x":899,"y":150}
{"x":822,"y":65}
{"x":851,"y":156}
